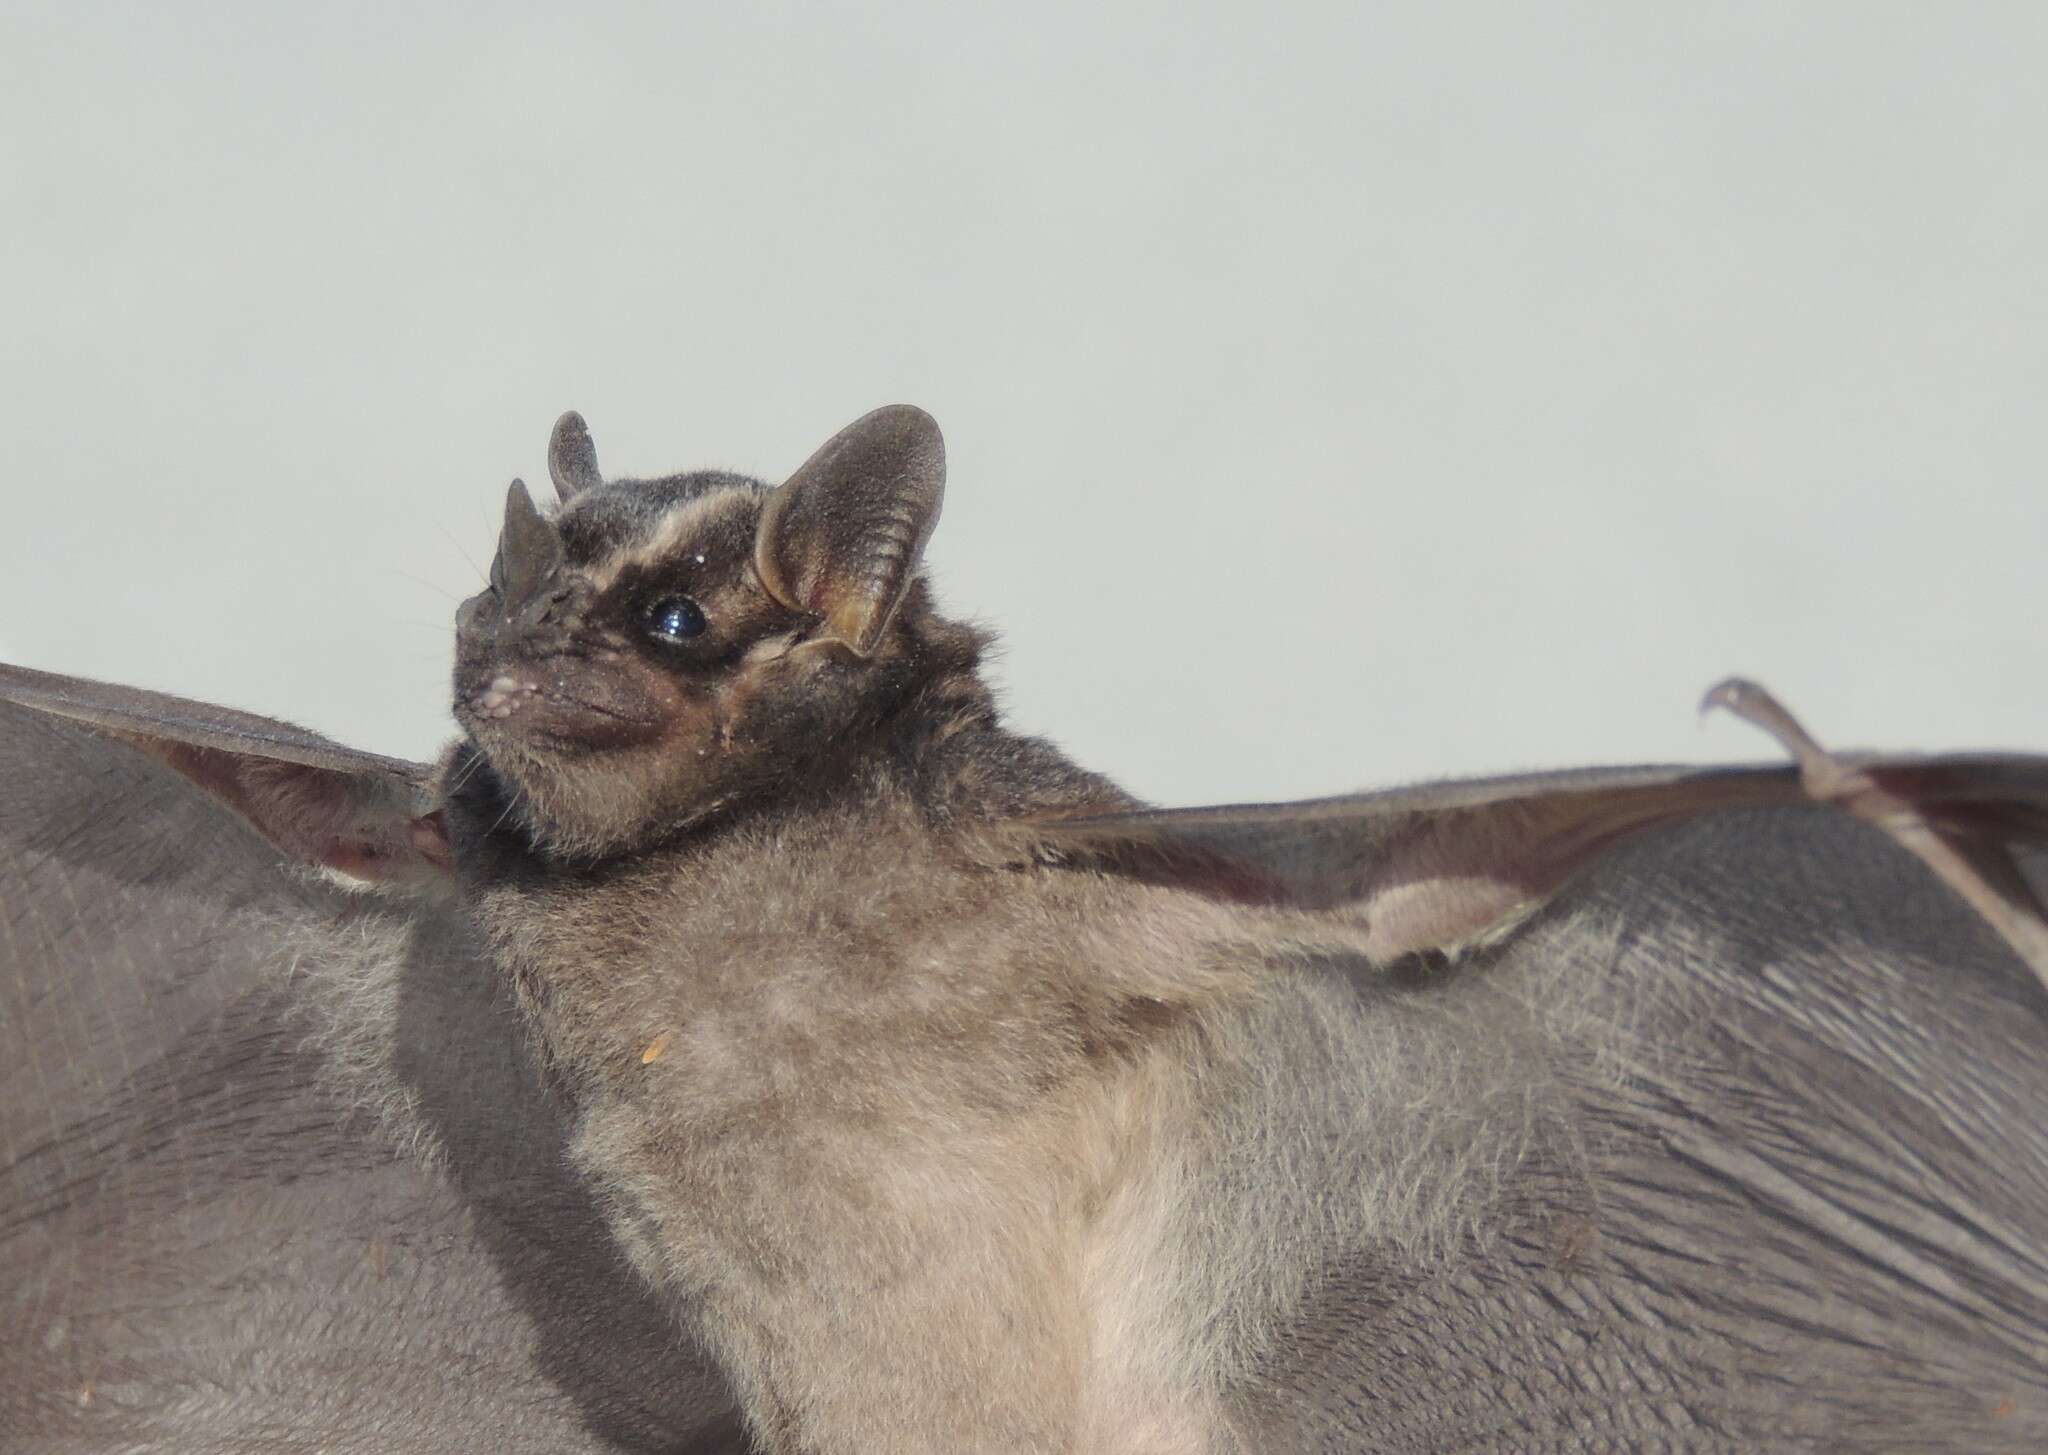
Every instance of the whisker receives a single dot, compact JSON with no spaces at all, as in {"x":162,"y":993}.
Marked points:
{"x":435,"y":587}
{"x":511,"y":802}
{"x":469,"y":771}
{"x":450,"y":537}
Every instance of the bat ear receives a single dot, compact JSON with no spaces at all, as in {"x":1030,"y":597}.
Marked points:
{"x":572,"y":458}
{"x":529,"y":547}
{"x":362,"y":815}
{"x":842,"y":537}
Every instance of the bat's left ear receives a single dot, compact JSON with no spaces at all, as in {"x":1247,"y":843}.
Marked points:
{"x":362,"y":815}
{"x":572,"y":458}
{"x":841,"y":538}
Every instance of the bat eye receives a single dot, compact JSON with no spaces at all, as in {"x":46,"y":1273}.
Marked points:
{"x":675,"y":619}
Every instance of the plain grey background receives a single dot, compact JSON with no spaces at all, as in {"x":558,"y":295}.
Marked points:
{"x":1335,"y":396}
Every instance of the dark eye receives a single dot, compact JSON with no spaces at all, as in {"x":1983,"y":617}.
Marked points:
{"x":675,"y":619}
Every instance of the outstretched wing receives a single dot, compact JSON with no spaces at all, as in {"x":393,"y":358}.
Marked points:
{"x":1771,"y":1098}
{"x":217,"y":1078}
{"x":1436,"y":866}
{"x":360,"y":814}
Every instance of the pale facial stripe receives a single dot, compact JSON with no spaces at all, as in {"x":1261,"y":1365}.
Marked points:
{"x":675,"y":529}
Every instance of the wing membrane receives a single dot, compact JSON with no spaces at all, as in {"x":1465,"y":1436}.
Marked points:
{"x":1432,"y":867}
{"x":133,"y":713}
{"x":360,"y":814}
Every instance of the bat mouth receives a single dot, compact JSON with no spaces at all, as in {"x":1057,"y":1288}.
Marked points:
{"x":532,"y":709}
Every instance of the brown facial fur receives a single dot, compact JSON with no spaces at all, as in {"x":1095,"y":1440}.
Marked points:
{"x":602,"y":736}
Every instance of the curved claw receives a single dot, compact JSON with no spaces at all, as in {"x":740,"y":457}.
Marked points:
{"x":1753,"y":703}
{"x":1977,"y":867}
{"x":1824,"y":776}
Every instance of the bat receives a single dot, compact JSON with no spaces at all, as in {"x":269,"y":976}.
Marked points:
{"x":741,"y":1039}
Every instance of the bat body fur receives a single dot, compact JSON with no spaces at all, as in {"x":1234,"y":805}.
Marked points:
{"x":772,"y":1041}
{"x":932,"y":1157}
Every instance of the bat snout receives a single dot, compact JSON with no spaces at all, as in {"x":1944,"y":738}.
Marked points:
{"x":566,"y":701}
{"x":503,"y":696}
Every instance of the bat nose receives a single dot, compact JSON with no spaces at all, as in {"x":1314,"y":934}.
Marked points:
{"x":543,"y":608}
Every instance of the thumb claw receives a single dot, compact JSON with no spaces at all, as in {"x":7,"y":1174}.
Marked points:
{"x":1730,"y":693}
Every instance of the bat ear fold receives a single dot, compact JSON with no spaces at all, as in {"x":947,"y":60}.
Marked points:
{"x":841,"y":538}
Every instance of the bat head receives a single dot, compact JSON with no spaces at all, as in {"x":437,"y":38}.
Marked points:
{"x":660,"y":651}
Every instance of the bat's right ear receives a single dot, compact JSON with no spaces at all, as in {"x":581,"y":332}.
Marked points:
{"x":841,"y":538}
{"x":365,"y":816}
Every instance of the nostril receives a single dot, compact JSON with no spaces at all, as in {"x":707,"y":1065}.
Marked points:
{"x":552,"y":606}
